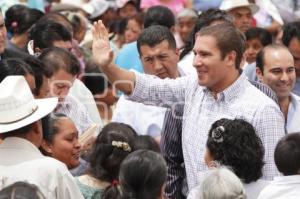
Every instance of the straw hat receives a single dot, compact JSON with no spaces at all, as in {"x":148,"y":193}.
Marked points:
{"x":18,"y":107}
{"x":229,"y":5}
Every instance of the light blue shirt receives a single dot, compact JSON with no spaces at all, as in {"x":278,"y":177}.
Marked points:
{"x":296,"y":89}
{"x":293,"y":118}
{"x":129,"y":58}
{"x":202,"y":5}
{"x":250,"y":71}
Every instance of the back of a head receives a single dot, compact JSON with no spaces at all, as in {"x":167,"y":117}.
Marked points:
{"x":142,"y":175}
{"x":221,"y":183}
{"x":290,"y":31}
{"x":159,"y":15}
{"x":21,"y":190}
{"x":19,"y":18}
{"x":55,"y":59}
{"x":234,"y":143}
{"x":228,"y":39}
{"x":154,"y":35}
{"x":113,"y":144}
{"x":14,"y":66}
{"x":44,"y":33}
{"x":287,"y":154}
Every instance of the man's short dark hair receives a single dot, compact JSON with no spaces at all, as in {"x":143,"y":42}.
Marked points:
{"x":261,"y":34}
{"x":260,"y":58}
{"x":44,"y":33}
{"x":290,"y":31}
{"x":55,"y":59}
{"x":154,"y":35}
{"x":228,"y":39}
{"x":159,"y":15}
{"x":287,"y":154}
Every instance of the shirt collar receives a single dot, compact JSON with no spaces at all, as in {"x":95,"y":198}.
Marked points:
{"x":20,"y":143}
{"x":233,"y":90}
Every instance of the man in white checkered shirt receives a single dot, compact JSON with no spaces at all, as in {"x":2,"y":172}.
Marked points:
{"x":219,"y":91}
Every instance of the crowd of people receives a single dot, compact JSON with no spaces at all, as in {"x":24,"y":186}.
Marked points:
{"x":150,"y":99}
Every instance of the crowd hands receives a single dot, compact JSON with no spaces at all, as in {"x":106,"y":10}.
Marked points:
{"x":130,"y":99}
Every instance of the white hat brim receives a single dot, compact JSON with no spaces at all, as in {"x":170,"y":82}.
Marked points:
{"x":45,"y":106}
{"x":253,"y":7}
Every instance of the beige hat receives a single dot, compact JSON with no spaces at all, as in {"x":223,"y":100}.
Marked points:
{"x":228,"y":5}
{"x":18,"y":107}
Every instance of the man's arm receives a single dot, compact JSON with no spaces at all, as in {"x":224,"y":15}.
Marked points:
{"x":103,"y":55}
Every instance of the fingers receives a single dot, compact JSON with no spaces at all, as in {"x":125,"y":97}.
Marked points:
{"x":99,"y":31}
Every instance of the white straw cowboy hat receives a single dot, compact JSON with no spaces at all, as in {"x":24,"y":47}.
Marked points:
{"x":18,"y":107}
{"x":228,"y":5}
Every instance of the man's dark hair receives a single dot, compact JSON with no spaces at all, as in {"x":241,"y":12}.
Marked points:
{"x":287,"y":154}
{"x":260,"y":58}
{"x":39,"y":71}
{"x":159,"y":15}
{"x":18,"y":132}
{"x":55,"y":59}
{"x":154,"y":35}
{"x":234,"y":143}
{"x":44,"y":33}
{"x":228,"y":39}
{"x":261,"y":34}
{"x":14,"y":66}
{"x":290,"y":31}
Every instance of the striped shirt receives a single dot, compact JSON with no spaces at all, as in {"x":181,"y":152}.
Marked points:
{"x":240,"y":100}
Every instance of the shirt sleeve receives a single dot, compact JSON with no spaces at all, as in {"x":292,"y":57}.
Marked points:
{"x":151,"y":90}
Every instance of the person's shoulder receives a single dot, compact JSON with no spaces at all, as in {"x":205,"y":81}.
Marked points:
{"x":9,"y":53}
{"x":258,"y":95}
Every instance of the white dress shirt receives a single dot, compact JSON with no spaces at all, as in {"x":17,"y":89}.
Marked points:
{"x":144,"y":119}
{"x":20,"y":160}
{"x":282,"y":187}
{"x":293,"y":117}
{"x":240,"y":100}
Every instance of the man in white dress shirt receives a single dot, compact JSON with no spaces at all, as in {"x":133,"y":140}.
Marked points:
{"x":219,"y":91}
{"x":276,"y":68}
{"x":21,"y":131}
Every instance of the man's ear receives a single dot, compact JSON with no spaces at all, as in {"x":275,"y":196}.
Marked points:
{"x":230,"y":58}
{"x":259,"y":74}
{"x":46,"y":146}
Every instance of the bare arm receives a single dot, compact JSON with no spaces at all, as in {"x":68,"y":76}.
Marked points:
{"x":103,"y":55}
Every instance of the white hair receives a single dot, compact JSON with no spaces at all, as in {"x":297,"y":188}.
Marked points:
{"x":221,"y":183}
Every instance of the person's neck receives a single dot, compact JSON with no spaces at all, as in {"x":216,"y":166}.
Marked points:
{"x":105,"y":111}
{"x":284,"y":105}
{"x":221,"y":86}
{"x":19,"y":41}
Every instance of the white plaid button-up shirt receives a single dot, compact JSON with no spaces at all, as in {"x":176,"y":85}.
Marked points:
{"x":201,"y":110}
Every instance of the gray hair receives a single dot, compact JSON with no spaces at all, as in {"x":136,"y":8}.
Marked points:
{"x":186,"y":12}
{"x":221,"y":183}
